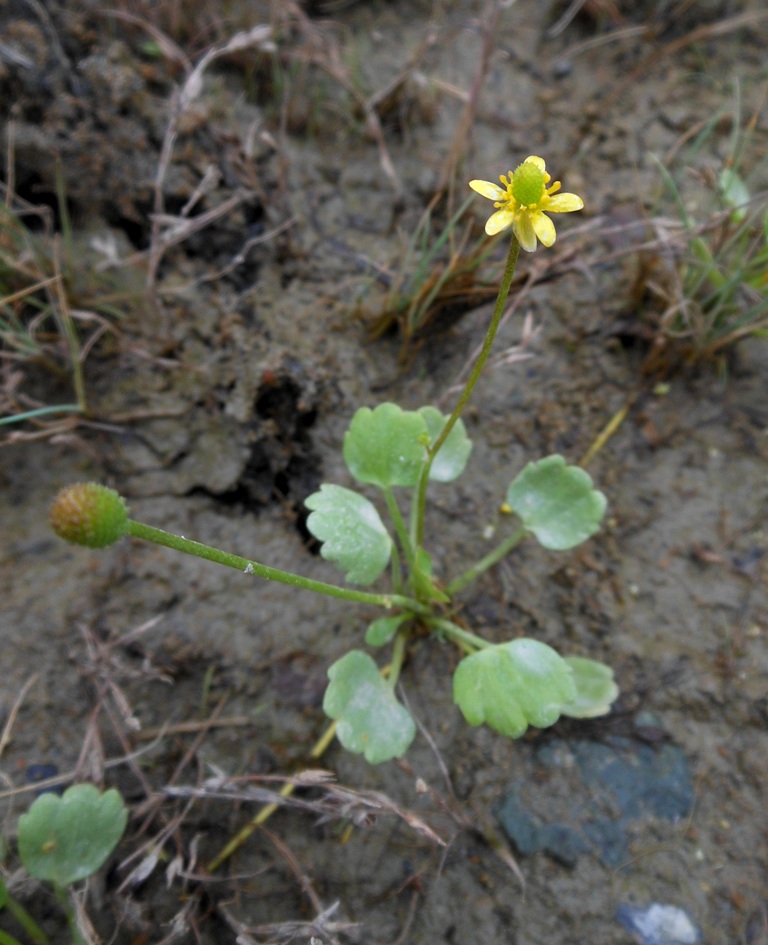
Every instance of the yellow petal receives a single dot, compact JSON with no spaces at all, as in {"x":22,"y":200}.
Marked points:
{"x":499,"y":221}
{"x":544,"y":228}
{"x":564,"y":203}
{"x":539,"y":162}
{"x":486,"y":189}
{"x":525,"y":233}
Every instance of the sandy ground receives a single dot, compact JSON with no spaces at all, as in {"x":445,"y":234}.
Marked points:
{"x":221,"y":402}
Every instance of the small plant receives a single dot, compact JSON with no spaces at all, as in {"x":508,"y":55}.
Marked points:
{"x":63,"y":840}
{"x":708,"y":270}
{"x":436,"y":280}
{"x":509,"y":685}
{"x":54,"y":306}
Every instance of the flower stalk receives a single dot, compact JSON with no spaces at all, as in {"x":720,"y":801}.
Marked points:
{"x":199,"y":550}
{"x":461,"y":403}
{"x":493,"y":557}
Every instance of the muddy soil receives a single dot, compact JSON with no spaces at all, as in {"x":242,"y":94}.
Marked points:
{"x":220,"y":402}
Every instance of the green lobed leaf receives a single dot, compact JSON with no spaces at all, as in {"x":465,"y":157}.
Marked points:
{"x":557,"y":502}
{"x":353,"y":535}
{"x":595,"y":688}
{"x":382,"y":630}
{"x":513,"y":685}
{"x":64,"y":839}
{"x":386,"y":446}
{"x":3,"y":893}
{"x":452,"y":457}
{"x":370,"y":720}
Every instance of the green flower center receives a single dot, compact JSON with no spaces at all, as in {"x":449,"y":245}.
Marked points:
{"x":528,"y":184}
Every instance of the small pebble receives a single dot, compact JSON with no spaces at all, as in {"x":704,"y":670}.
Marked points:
{"x":658,"y":924}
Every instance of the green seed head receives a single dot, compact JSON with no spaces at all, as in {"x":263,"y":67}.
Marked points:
{"x":89,"y":514}
{"x":528,"y":184}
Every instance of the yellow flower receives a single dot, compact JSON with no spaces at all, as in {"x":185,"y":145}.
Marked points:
{"x":524,"y":201}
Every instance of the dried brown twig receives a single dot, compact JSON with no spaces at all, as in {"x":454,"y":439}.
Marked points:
{"x":324,"y":929}
{"x":5,"y":738}
{"x":167,"y":231}
{"x":336,"y":802}
{"x":462,"y":134}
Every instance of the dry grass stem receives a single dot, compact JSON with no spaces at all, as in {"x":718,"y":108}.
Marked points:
{"x":301,"y":875}
{"x":335,"y":802}
{"x":463,"y":134}
{"x":150,"y":852}
{"x":178,"y":229}
{"x":323,"y":928}
{"x":5,"y":738}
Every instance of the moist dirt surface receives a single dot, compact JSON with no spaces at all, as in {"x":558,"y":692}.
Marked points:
{"x":254,"y":208}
